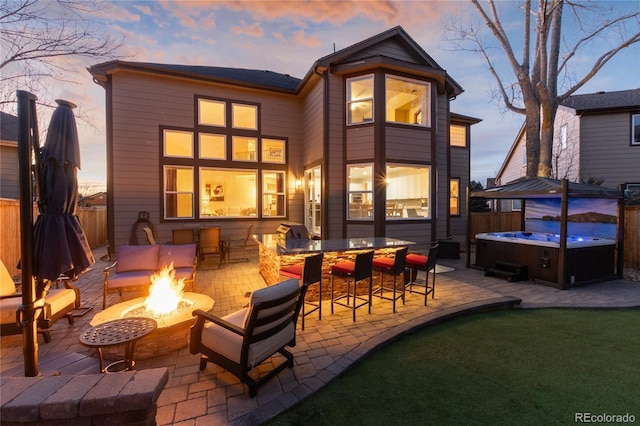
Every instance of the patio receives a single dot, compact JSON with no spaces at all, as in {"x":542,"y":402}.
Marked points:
{"x":325,"y":348}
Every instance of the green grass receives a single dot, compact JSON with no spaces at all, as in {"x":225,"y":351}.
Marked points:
{"x":517,"y":367}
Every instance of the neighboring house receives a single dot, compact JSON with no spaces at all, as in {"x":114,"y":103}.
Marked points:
{"x":98,"y":200}
{"x":596,"y":139}
{"x":9,"y":185}
{"x":359,"y":147}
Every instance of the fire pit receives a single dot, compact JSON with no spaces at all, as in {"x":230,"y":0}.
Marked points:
{"x":168,"y":305}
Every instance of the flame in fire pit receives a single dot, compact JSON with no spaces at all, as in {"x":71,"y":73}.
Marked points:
{"x":165,"y":292}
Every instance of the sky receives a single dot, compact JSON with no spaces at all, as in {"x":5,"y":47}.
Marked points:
{"x":288,"y":36}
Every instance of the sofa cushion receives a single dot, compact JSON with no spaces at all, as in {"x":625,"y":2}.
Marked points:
{"x":7,"y":286}
{"x":130,"y":279}
{"x":8,"y":307}
{"x":182,"y":255}
{"x":137,"y":258}
{"x":186,"y":273}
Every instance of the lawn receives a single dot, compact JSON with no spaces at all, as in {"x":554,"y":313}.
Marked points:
{"x":516,"y":367}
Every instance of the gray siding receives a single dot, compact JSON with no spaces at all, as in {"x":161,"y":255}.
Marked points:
{"x":360,"y":143}
{"x":408,"y":144}
{"x":9,"y":184}
{"x":391,"y":48}
{"x":566,"y":161}
{"x":335,"y":162}
{"x":441,"y":196}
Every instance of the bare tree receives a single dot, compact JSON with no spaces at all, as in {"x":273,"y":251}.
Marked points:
{"x":43,"y":41}
{"x":534,"y":92}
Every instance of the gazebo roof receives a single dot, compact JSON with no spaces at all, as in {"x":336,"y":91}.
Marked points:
{"x":541,"y":187}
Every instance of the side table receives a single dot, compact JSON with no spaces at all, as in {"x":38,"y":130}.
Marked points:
{"x":125,"y":331}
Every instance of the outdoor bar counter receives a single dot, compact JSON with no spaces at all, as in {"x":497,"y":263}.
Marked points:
{"x":276,"y":252}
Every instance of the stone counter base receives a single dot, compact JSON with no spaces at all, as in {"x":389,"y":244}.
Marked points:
{"x":126,"y":398}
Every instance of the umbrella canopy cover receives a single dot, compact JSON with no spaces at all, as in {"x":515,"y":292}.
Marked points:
{"x":60,"y":245}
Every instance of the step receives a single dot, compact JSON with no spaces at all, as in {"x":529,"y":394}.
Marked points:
{"x":509,"y":275}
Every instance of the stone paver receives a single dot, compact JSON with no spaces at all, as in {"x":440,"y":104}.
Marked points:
{"x":326,"y":347}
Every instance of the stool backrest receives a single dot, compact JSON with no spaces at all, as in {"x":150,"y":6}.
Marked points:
{"x":312,"y":270}
{"x":363,"y":266}
{"x":400,"y":260}
{"x":432,"y":256}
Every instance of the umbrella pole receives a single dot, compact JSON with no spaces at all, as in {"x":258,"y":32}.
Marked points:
{"x":26,"y":314}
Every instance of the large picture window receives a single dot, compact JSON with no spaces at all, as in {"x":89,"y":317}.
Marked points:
{"x":227,"y":192}
{"x":407,"y":101}
{"x":407,"y":192}
{"x":360,"y":99}
{"x":178,"y":192}
{"x":360,"y":191}
{"x":273,"y":194}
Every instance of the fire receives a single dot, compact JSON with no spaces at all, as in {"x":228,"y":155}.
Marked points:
{"x":166,"y":292}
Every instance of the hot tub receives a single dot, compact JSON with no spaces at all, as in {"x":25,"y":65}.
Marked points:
{"x":588,"y":259}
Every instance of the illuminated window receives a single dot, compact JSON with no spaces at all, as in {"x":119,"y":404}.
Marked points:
{"x":360,"y":191}
{"x":244,"y":149}
{"x":211,"y":113}
{"x":360,"y":99}
{"x":454,"y":197}
{"x":178,"y":192}
{"x":213,"y":147}
{"x":457,"y":135}
{"x":178,"y":143}
{"x":407,"y":192}
{"x":273,"y":194}
{"x":273,"y":151}
{"x":227,"y":192}
{"x":244,"y":116}
{"x":407,"y":101}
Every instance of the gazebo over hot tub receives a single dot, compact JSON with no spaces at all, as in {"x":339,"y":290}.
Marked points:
{"x":558,"y":259}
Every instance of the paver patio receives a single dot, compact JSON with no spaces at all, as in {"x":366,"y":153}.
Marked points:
{"x":324,"y":349}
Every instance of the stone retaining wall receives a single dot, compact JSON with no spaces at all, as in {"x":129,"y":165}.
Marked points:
{"x":95,"y":399}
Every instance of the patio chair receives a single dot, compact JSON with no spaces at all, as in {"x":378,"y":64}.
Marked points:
{"x":308,"y":273}
{"x":395,"y":267}
{"x":240,"y":342}
{"x":427,"y":264}
{"x":56,"y":304}
{"x":239,"y":245}
{"x":210,"y":244}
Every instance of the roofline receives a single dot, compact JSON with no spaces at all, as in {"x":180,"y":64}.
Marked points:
{"x":521,"y":133}
{"x":465,"y":118}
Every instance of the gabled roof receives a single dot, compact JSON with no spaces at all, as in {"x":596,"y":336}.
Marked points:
{"x":600,"y":101}
{"x":8,"y":127}
{"x":541,"y":187}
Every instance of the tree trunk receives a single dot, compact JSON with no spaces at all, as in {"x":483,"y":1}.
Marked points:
{"x":532,"y":128}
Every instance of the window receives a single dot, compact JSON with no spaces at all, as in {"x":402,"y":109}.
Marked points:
{"x":273,"y":193}
{"x":360,"y":191}
{"x":227,"y":192}
{"x":273,"y":151}
{"x":178,"y":143}
{"x":360,"y":99}
{"x":211,"y":113}
{"x":245,"y":116}
{"x":516,"y":205}
{"x":407,"y":192}
{"x":407,"y":101}
{"x":563,"y":136}
{"x":524,"y":154}
{"x":635,"y":129}
{"x":457,"y":135}
{"x":213,"y":147}
{"x":244,"y":149}
{"x":454,"y":197}
{"x":178,"y":192}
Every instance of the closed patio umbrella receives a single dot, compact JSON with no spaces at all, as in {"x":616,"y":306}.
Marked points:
{"x":60,"y":246}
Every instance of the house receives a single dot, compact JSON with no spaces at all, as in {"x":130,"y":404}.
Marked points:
{"x":97,"y":200}
{"x":363,"y":145}
{"x":596,"y":140}
{"x":9,"y":187}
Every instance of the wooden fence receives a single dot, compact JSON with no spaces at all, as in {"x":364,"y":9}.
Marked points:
{"x":93,"y":221}
{"x":510,"y":221}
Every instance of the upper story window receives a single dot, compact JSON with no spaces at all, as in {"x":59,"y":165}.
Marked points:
{"x":244,"y":116}
{"x":360,"y":191}
{"x":458,"y":135}
{"x":360,"y":99}
{"x":178,"y":143}
{"x":635,"y":129}
{"x":213,"y":147}
{"x":211,"y":113}
{"x":407,"y":101}
{"x":407,"y":192}
{"x":245,"y":149}
{"x":273,"y":151}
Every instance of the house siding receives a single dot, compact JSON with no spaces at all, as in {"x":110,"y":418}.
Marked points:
{"x":606,"y":152}
{"x":9,"y":184}
{"x":334,"y":177}
{"x":565,"y":161}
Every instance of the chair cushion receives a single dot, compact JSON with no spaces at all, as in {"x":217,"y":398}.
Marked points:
{"x":7,"y":285}
{"x":346,"y":267}
{"x":383,"y":262}
{"x":182,"y":255}
{"x":8,"y":307}
{"x":186,"y":273}
{"x":138,"y":258}
{"x":129,"y":279}
{"x":292,"y":271}
{"x":60,"y":299}
{"x":416,"y":259}
{"x":269,"y":293}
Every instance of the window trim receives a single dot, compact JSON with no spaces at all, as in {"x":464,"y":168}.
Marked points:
{"x":349,"y":101}
{"x":634,"y":118}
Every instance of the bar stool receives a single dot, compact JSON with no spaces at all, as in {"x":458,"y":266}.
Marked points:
{"x":394,"y":266}
{"x":356,"y":271}
{"x":308,"y":273}
{"x":423,"y":263}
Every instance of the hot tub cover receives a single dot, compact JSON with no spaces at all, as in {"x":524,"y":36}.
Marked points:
{"x":542,"y":187}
